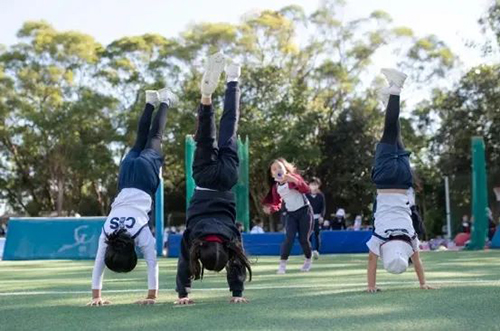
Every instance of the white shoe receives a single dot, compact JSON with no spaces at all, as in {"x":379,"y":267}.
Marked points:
{"x":151,"y":97}
{"x":315,"y":255}
{"x":307,"y":265}
{"x":383,"y":96}
{"x":282,"y":268}
{"x":394,"y":77}
{"x":215,"y":66}
{"x":386,"y":92}
{"x":167,"y":96}
{"x":233,"y":71}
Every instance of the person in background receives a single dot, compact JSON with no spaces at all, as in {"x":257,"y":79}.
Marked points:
{"x":317,"y":200}
{"x":338,"y":222}
{"x":492,"y":227}
{"x":240,"y":227}
{"x":258,"y":228}
{"x":466,"y":224}
{"x":326,"y":225}
{"x":357,"y":223}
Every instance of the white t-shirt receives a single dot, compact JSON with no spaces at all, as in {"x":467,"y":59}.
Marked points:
{"x":392,"y":217}
{"x":294,"y":200}
{"x":411,"y":196}
{"x":129,"y":211}
{"x":257,"y":229}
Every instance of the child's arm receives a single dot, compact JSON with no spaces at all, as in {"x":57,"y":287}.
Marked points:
{"x":183,"y":280}
{"x":97,"y":275}
{"x":372,"y":273}
{"x":419,"y":269}
{"x":236,"y":275}
{"x":147,"y":245}
{"x":272,"y":201}
{"x":298,"y":183}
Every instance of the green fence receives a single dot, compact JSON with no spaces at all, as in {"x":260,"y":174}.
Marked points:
{"x":241,"y":189}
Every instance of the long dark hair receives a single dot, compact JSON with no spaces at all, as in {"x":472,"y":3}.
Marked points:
{"x":217,"y":256}
{"x":290,"y":168}
{"x":120,"y":254}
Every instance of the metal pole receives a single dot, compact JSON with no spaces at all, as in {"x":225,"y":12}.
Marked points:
{"x":448,"y":215}
{"x":159,"y":217}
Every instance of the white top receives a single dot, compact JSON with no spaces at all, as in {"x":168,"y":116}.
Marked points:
{"x":393,"y":217}
{"x":294,"y":200}
{"x":375,"y":243}
{"x":129,"y":211}
{"x":257,"y":229}
{"x":393,"y":212}
{"x":357,"y":223}
{"x":411,"y":196}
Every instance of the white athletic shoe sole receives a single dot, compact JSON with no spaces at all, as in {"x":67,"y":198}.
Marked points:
{"x":214,"y":68}
{"x":233,"y":71}
{"x":281,"y":271}
{"x":394,"y":77}
{"x":315,"y":255}
{"x":151,"y":96}
{"x":167,"y":96}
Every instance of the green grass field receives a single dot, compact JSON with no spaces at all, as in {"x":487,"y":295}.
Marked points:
{"x":51,"y":295}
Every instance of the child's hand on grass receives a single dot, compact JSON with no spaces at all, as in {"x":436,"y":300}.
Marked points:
{"x":238,"y":300}
{"x":98,"y":302}
{"x":427,"y":287}
{"x":183,"y":301}
{"x":373,"y":289}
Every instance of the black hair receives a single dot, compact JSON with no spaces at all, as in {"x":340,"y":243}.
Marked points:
{"x":120,"y":254}
{"x":216,"y":256}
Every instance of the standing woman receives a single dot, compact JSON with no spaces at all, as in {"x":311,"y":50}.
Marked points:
{"x":286,"y":185}
{"x":317,"y":200}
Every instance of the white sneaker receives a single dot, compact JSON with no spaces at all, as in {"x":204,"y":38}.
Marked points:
{"x":386,"y":92}
{"x":307,"y":265}
{"x":151,"y":97}
{"x":215,"y":66}
{"x":383,"y":96}
{"x":167,"y":96}
{"x":233,"y":71}
{"x":315,"y":255}
{"x":394,"y":77}
{"x":282,"y":268}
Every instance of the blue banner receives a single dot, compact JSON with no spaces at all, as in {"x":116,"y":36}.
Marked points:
{"x":332,"y":242}
{"x":53,"y":238}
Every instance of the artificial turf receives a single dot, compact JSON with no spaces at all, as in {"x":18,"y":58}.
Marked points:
{"x":51,"y":295}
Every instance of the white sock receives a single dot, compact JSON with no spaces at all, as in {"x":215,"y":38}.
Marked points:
{"x":394,"y":90}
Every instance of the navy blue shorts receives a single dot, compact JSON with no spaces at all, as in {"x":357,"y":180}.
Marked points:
{"x":392,"y":167}
{"x":141,"y":170}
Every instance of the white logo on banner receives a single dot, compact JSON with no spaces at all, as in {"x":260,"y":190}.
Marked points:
{"x":80,"y":240}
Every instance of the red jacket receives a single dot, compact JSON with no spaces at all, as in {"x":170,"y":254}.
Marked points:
{"x":273,"y":199}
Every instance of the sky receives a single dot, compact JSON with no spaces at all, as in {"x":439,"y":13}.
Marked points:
{"x":453,"y":21}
